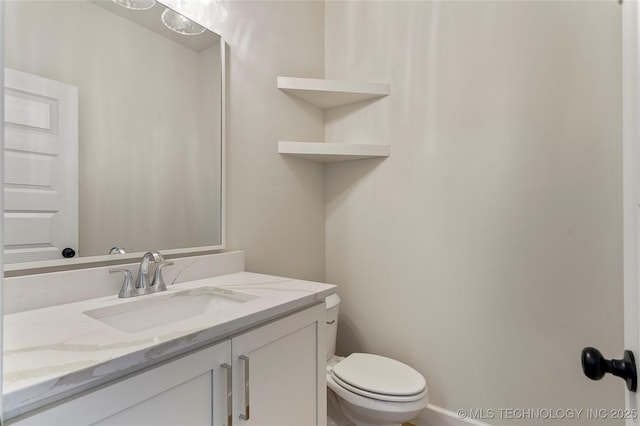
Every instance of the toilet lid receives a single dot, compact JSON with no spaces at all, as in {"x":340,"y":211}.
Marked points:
{"x":376,"y":374}
{"x":378,"y":396}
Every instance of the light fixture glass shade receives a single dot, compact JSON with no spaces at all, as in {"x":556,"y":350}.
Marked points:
{"x":218,"y":11}
{"x":178,"y":23}
{"x":136,"y":4}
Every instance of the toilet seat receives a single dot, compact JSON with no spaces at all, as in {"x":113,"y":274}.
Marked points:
{"x":378,"y":377}
{"x":363,"y":410}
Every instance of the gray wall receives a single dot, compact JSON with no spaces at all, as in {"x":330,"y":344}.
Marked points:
{"x":486,"y":251}
{"x":275,"y":204}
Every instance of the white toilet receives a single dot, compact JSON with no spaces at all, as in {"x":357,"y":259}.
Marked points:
{"x":367,"y":389}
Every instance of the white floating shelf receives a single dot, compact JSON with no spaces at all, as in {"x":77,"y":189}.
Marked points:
{"x":331,"y":93}
{"x":332,"y":152}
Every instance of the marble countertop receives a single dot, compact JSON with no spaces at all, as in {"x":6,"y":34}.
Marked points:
{"x":58,"y":351}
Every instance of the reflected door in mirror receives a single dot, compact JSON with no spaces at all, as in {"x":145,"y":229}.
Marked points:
{"x":41,"y":167}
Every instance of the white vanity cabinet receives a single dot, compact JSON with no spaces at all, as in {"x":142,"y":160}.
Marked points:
{"x":188,"y":390}
{"x":277,"y":378}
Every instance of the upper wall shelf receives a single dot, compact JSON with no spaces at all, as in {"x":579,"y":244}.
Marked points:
{"x":331,"y":93}
{"x":332,"y":152}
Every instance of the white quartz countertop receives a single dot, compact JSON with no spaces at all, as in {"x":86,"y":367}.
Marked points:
{"x":54,"y":352}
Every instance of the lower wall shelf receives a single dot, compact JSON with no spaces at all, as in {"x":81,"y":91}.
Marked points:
{"x":332,"y":152}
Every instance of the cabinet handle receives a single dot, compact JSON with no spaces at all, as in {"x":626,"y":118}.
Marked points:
{"x":229,"y":391}
{"x":245,"y":415}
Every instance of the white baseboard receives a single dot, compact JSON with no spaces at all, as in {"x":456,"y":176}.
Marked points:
{"x":438,"y":416}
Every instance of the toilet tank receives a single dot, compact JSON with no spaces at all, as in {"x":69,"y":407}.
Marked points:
{"x":332,"y":301}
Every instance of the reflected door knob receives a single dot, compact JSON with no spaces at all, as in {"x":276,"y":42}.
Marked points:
{"x":595,"y":366}
{"x":68,"y":252}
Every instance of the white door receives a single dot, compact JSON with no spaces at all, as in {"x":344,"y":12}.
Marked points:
{"x":631,"y":183}
{"x":40,"y":168}
{"x":595,"y":364}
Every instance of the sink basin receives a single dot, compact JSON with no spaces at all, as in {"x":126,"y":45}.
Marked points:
{"x":147,"y":312}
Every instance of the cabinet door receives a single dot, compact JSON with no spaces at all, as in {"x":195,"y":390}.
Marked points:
{"x":279,"y":372}
{"x":191,"y":390}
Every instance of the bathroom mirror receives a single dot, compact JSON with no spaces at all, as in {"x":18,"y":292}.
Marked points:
{"x":111,"y":102}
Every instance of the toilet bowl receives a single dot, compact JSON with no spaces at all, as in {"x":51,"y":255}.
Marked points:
{"x":367,"y":389}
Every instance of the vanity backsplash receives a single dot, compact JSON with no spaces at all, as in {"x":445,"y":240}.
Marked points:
{"x":27,"y":292}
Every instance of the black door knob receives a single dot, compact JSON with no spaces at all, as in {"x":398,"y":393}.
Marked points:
{"x":595,"y":366}
{"x":68,"y":252}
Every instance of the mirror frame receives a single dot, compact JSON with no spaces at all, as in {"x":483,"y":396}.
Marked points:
{"x":45,"y":266}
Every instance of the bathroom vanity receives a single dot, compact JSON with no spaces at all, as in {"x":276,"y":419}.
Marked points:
{"x":238,"y":348}
{"x":221,"y":346}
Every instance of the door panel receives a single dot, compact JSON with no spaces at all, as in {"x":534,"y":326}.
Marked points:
{"x":188,"y":391}
{"x":40,"y":167}
{"x":285,"y":363}
{"x":188,"y":404}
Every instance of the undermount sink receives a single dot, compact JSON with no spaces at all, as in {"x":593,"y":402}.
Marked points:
{"x":152,"y":311}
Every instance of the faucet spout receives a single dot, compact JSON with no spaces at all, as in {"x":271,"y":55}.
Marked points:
{"x":142,"y":281}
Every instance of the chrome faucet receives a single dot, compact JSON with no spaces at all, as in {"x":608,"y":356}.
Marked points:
{"x":142,"y":284}
{"x":117,"y":250}
{"x":142,"y":281}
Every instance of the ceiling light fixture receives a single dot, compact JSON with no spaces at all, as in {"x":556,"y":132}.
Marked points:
{"x":136,"y":4}
{"x":178,"y":23}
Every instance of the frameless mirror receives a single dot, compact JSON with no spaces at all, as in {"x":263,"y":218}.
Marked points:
{"x":113,"y":133}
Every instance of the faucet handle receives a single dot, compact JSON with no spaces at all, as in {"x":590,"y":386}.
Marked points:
{"x":128,"y":288}
{"x":157,"y":282}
